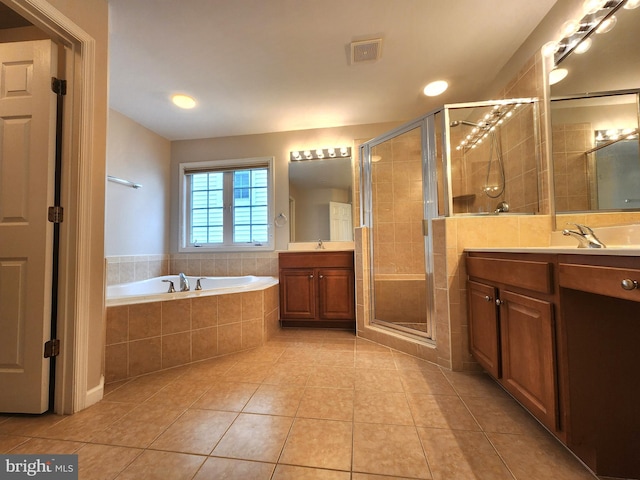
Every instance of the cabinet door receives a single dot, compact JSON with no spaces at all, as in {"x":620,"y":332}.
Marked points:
{"x":528,"y":354}
{"x":484,"y":333}
{"x":336,"y":294}
{"x":297,"y":294}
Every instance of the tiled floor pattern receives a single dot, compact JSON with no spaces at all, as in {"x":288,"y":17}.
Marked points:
{"x":311,"y":404}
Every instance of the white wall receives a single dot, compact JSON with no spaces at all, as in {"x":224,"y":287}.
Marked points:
{"x":137,"y":220}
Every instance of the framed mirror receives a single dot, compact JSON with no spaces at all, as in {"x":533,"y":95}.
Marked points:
{"x":321,"y":200}
{"x":595,"y":135}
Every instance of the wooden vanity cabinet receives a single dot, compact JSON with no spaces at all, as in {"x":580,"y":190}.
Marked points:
{"x":563,"y":340}
{"x":601,"y":315}
{"x":512,"y":329}
{"x":317,"y":289}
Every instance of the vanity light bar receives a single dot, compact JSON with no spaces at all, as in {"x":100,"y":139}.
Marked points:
{"x":487,"y":124}
{"x":576,"y":32}
{"x":614,"y":134}
{"x":319,"y":153}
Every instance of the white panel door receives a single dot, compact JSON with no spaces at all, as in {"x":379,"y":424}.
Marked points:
{"x":340,"y":222}
{"x":27,"y":161}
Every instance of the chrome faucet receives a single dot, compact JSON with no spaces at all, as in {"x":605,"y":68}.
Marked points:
{"x":184,"y":282}
{"x":501,"y":207}
{"x":585,"y":236}
{"x":320,"y":245}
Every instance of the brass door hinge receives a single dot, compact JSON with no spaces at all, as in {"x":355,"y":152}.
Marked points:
{"x":52,"y":348}
{"x":55,"y":214}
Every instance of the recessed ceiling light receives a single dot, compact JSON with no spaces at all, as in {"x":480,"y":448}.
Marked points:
{"x":435,"y":88}
{"x":183,"y":101}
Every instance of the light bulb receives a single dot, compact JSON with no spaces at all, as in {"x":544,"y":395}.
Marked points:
{"x":557,"y":75}
{"x":607,"y":25}
{"x":583,"y":46}
{"x":592,"y":6}
{"x":570,"y":27}
{"x":631,"y":4}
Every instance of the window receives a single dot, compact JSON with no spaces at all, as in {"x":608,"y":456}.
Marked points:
{"x":226,"y":205}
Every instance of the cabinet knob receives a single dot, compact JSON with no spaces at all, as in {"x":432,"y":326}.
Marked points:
{"x":311,"y":275}
{"x":487,"y":298}
{"x":629,"y":284}
{"x":500,"y":302}
{"x":320,"y":276}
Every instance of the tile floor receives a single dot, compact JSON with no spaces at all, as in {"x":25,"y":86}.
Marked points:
{"x":310,"y":404}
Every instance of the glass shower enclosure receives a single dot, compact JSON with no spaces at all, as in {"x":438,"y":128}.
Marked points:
{"x":465,"y":159}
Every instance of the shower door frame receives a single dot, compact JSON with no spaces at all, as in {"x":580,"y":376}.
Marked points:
{"x":426,"y":124}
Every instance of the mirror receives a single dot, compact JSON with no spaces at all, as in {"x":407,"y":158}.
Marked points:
{"x":320,"y":200}
{"x":494,"y":150}
{"x":592,"y":172}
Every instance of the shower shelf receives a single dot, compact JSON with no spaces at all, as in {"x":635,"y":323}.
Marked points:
{"x":465,"y":198}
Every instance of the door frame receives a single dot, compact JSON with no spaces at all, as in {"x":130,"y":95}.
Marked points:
{"x":74,"y":279}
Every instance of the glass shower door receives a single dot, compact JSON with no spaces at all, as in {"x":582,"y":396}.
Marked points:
{"x":398,"y":195}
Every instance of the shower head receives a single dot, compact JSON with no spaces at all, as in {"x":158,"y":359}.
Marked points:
{"x":455,"y":123}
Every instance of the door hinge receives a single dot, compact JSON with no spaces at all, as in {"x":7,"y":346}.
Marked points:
{"x":58,"y":86}
{"x":425,"y":227}
{"x":55,"y":214}
{"x":52,"y":348}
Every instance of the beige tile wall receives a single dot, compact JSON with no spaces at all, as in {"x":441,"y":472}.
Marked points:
{"x":570,"y":173}
{"x":141,"y":267}
{"x":149,"y":337}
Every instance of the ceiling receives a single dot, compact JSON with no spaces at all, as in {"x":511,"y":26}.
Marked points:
{"x":259,"y":66}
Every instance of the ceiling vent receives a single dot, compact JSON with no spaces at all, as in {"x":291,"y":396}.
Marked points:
{"x":366,"y":50}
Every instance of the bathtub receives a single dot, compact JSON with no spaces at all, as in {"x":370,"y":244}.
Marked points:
{"x":149,"y":329}
{"x":156,"y":289}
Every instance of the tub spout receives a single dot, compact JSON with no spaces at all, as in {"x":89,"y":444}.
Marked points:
{"x":184,"y":282}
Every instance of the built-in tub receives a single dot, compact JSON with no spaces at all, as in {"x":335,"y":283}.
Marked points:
{"x":149,"y":329}
{"x":157,"y":289}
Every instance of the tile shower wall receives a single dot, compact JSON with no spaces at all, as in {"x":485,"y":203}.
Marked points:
{"x":570,"y":172}
{"x":133,"y":268}
{"x":478,"y":167}
{"x":149,"y":337}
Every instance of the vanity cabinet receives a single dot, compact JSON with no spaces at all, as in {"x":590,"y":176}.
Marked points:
{"x":560,"y":332}
{"x":601,"y":311}
{"x":512,"y":329}
{"x":317,"y":289}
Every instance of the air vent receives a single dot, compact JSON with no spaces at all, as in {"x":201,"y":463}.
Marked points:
{"x":366,"y":50}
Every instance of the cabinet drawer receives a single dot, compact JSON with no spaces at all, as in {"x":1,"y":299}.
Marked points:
{"x":600,"y":279}
{"x":315,"y":259}
{"x":531,"y":275}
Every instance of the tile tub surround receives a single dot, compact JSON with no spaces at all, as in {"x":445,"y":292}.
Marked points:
{"x":308,"y":404}
{"x":149,"y":337}
{"x":124,"y":269}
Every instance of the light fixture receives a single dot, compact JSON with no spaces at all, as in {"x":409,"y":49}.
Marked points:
{"x":183,"y":101}
{"x":486,"y":124}
{"x":557,"y":74}
{"x":434,"y":89}
{"x":598,"y":17}
{"x":614,"y":134}
{"x":631,"y":4}
{"x":319,"y":153}
{"x":583,"y":46}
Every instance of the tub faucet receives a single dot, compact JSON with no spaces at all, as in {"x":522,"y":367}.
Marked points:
{"x":585,"y":236}
{"x":184,"y":282}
